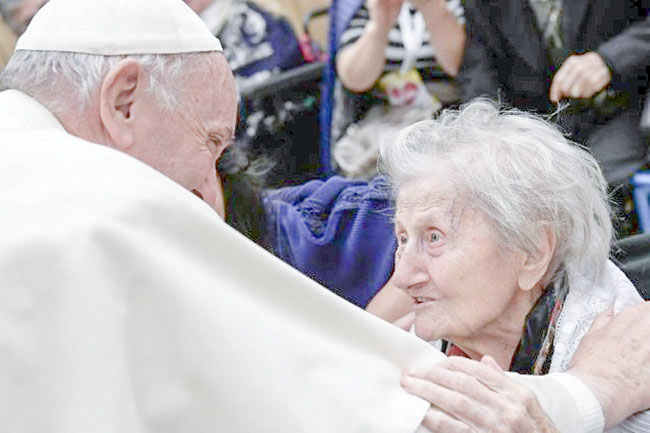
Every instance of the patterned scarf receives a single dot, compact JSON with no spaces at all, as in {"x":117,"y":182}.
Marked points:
{"x":535,"y":349}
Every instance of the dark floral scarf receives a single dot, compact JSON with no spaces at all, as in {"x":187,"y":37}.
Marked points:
{"x":535,"y":349}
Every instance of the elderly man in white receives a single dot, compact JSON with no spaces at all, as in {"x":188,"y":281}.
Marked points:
{"x":128,"y":306}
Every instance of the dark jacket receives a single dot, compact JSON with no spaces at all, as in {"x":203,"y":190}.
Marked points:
{"x":506,"y":57}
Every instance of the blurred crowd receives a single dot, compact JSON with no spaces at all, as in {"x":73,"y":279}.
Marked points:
{"x":581,"y":63}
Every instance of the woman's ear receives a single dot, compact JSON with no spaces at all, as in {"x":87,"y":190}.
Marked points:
{"x":535,"y":265}
{"x":117,"y":95}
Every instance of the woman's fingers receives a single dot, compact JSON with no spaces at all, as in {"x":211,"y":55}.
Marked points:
{"x":455,"y":394}
{"x":477,"y":396}
{"x":489,"y":376}
{"x":436,"y":420}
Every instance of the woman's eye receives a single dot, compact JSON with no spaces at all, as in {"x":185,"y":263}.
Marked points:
{"x":402,"y":239}
{"x":434,"y":237}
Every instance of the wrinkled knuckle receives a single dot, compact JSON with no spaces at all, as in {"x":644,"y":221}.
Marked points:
{"x":461,"y":382}
{"x":513,"y":417}
{"x":464,"y":405}
{"x":520,"y":416}
{"x":528,"y":399}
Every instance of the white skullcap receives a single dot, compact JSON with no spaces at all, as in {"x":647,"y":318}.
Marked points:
{"x":118,"y":27}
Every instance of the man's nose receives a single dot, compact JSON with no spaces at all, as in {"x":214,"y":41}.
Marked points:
{"x":212,"y":193}
{"x":410,"y":269}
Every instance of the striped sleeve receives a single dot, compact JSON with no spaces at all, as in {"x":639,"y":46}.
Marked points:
{"x":355,"y":28}
{"x":457,"y":10}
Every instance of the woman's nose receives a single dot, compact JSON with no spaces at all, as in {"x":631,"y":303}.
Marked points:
{"x":410,"y":270}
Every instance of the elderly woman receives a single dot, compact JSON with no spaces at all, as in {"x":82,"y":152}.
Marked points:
{"x":503,"y":231}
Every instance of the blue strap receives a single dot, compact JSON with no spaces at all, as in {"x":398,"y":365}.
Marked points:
{"x":341,"y":13}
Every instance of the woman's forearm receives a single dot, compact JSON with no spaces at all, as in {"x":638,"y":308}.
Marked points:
{"x":447,"y":34}
{"x":361,"y":64}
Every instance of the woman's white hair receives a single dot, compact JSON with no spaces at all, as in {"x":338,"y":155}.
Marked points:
{"x":63,"y":81}
{"x":523,"y":174}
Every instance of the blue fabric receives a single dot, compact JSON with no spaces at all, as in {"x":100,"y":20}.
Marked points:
{"x":337,"y":231}
{"x":341,"y":13}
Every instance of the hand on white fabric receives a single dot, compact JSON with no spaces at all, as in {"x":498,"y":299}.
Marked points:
{"x":384,"y":13}
{"x":471,"y":396}
{"x":580,"y":76}
{"x":613,"y":360}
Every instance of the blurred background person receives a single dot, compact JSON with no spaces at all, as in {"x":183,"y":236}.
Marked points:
{"x":20,"y":12}
{"x":592,"y":54}
{"x":15,"y":15}
{"x":258,"y":43}
{"x":7,"y":41}
{"x":395,"y":61}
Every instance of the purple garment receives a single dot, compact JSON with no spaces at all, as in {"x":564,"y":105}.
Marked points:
{"x":337,"y":231}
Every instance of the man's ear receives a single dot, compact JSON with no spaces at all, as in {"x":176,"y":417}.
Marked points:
{"x":535,"y":265}
{"x":118,"y":93}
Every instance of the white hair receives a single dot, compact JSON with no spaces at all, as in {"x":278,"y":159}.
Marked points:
{"x":63,"y":80}
{"x":522,"y":174}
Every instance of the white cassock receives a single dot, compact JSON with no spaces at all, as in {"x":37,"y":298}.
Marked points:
{"x":128,"y":306}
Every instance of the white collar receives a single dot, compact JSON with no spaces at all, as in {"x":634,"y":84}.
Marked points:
{"x":13,"y":106}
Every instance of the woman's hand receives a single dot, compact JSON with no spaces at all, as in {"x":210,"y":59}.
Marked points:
{"x":468,"y":396}
{"x":384,"y":13}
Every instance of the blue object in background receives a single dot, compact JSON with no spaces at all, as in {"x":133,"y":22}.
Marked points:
{"x":641,"y":183}
{"x":338,"y":231}
{"x":341,"y":13}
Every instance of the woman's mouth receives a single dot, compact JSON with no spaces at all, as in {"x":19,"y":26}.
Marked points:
{"x":422,"y":304}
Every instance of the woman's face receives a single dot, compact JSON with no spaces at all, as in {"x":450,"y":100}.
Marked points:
{"x":449,"y":263}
